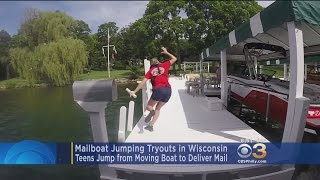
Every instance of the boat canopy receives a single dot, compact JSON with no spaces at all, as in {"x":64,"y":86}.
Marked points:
{"x":312,"y":60}
{"x":270,"y":26}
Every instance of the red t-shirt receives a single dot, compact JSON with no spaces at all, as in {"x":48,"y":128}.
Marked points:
{"x":159,"y":79}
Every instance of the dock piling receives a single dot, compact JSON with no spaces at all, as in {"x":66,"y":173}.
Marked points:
{"x":122,"y":124}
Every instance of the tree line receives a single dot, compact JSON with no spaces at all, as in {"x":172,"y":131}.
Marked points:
{"x":54,"y":48}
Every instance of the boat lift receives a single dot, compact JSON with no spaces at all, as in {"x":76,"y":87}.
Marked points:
{"x":299,"y":32}
{"x":293,"y":25}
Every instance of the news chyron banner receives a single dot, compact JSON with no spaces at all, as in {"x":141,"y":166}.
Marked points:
{"x":34,"y":152}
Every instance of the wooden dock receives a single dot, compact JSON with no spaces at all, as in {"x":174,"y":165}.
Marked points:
{"x":188,"y":119}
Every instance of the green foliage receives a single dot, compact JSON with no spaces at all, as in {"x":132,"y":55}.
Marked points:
{"x":13,"y":83}
{"x":269,"y":70}
{"x":44,"y":50}
{"x":46,"y":27}
{"x":81,"y":29}
{"x":5,"y":39}
{"x":18,"y":41}
{"x":135,"y":72}
{"x":4,"y":43}
{"x":208,"y":21}
{"x":10,"y":84}
{"x":166,"y":26}
{"x":52,"y":47}
{"x":102,"y":33}
{"x":114,"y":74}
{"x":57,"y":63}
{"x":132,"y":42}
{"x":118,"y":65}
{"x":163,"y":24}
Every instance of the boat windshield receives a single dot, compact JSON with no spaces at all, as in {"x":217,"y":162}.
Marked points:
{"x":239,"y":69}
{"x":310,"y":91}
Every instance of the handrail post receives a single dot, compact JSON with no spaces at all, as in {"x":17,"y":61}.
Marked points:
{"x":122,"y":124}
{"x":144,"y":97}
{"x":130,"y":116}
{"x":223,"y":80}
{"x":297,"y":104}
{"x":146,"y":88}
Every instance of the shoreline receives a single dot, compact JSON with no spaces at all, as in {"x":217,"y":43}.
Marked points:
{"x":44,"y":85}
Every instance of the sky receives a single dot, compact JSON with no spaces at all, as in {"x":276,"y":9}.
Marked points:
{"x":93,"y":13}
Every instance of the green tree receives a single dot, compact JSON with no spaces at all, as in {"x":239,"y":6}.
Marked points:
{"x":135,"y":40}
{"x":208,"y":21}
{"x":102,"y":38}
{"x":51,"y":55}
{"x":81,"y":29}
{"x":46,"y":27}
{"x":5,"y":39}
{"x":52,"y":63}
{"x":96,"y":60}
{"x":166,"y":24}
{"x":102,"y":33}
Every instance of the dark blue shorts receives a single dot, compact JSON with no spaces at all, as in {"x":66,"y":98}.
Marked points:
{"x":162,"y":94}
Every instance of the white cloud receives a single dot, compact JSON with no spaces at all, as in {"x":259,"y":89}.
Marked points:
{"x":93,"y":13}
{"x":98,"y":12}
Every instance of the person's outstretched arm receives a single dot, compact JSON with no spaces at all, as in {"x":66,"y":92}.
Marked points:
{"x":173,"y":59}
{"x":140,"y":85}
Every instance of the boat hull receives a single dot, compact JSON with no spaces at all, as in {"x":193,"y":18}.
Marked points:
{"x":254,"y":95}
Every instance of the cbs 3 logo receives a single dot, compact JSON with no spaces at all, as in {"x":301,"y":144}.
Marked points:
{"x":245,"y":150}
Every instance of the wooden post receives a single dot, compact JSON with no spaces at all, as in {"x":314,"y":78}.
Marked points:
{"x":130,"y":116}
{"x":295,"y":120}
{"x":147,"y":88}
{"x":224,"y":88}
{"x":285,"y":71}
{"x":122,"y":124}
{"x":184,"y":66}
{"x":208,"y":67}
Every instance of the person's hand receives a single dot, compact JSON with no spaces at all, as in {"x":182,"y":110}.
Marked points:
{"x":132,"y":93}
{"x":164,"y":50}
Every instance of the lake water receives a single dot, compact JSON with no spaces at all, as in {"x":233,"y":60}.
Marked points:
{"x":51,"y":115}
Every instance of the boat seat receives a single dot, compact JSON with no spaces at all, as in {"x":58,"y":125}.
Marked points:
{"x":196,"y":90}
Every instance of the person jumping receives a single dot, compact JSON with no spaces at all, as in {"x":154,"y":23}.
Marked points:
{"x":161,"y":89}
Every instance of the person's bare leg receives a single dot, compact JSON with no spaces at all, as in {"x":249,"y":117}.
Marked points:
{"x":157,"y":112}
{"x":151,"y":104}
